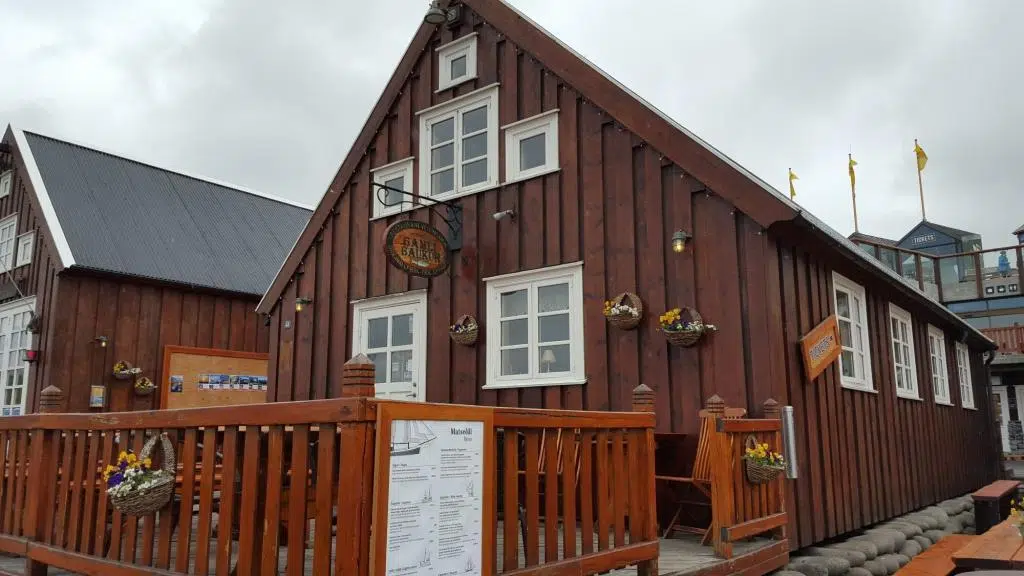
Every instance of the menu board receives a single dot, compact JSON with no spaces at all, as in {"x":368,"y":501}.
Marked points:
{"x":435,"y":498}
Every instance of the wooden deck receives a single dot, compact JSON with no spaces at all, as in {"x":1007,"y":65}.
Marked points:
{"x":680,"y":556}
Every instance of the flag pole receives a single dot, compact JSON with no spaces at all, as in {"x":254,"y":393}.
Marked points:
{"x":853,"y":193}
{"x":920,"y":183}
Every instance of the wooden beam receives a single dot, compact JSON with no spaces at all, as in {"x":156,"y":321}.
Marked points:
{"x":754,"y":527}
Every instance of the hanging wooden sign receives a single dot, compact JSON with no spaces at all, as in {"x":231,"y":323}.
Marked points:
{"x":416,"y":248}
{"x":821,"y":346}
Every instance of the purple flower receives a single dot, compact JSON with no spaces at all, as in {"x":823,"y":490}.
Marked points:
{"x":115,"y":480}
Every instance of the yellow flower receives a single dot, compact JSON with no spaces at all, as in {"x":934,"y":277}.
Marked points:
{"x":147,"y":462}
{"x":131,"y":459}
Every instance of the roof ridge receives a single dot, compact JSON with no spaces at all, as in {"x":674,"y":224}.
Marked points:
{"x":190,"y":175}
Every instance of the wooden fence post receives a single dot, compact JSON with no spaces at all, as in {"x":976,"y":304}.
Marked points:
{"x":643,"y":401}
{"x":772,"y":410}
{"x":39,"y":493}
{"x":357,"y":377}
{"x":51,"y":400}
{"x":722,"y":491}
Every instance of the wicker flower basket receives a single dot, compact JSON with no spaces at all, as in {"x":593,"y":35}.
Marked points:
{"x":758,"y":473}
{"x":627,"y":321}
{"x":125,"y":371}
{"x":470,"y":332}
{"x":140,"y":503}
{"x":144,"y":386}
{"x":688,"y":336}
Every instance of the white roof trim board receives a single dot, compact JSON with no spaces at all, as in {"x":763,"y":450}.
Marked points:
{"x":49,"y":214}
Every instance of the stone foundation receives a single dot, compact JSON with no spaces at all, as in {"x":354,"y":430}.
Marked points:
{"x":884,"y":548}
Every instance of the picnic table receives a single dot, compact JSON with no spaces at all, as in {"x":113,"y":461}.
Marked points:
{"x":1001,"y":548}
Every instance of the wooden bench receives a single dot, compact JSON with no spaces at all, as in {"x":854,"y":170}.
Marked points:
{"x":937,"y":560}
{"x":992,"y":503}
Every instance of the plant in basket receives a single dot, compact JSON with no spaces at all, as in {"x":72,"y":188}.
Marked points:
{"x":683,"y":331}
{"x":624,"y":311}
{"x":144,"y":385}
{"x":1017,"y":515}
{"x":134,"y":486}
{"x":125,"y":371}
{"x":763,"y":465}
{"x":464,"y":331}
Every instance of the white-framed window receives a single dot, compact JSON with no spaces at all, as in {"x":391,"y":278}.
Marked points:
{"x":851,"y":310}
{"x":6,"y":182}
{"x":963,"y":369}
{"x":25,"y":243}
{"x":8,"y":232}
{"x":14,"y":340}
{"x":459,"y":145}
{"x":901,"y":333}
{"x":392,"y":332}
{"x":937,"y":355}
{"x":535,"y":328}
{"x":456,"y":62}
{"x":531,"y":147}
{"x":396,"y":175}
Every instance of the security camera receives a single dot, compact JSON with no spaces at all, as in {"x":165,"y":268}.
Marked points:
{"x":499,"y":216}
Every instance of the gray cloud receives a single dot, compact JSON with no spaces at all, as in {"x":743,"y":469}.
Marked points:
{"x":270,"y":95}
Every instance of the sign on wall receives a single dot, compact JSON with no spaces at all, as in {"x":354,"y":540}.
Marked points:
{"x":821,"y":346}
{"x":416,"y":248}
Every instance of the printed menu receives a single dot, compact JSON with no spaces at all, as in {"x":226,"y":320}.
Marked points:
{"x":435,"y":498}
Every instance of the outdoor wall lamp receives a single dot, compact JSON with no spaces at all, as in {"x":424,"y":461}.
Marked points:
{"x":301,"y":302}
{"x":679,"y":241}
{"x":499,"y":216}
{"x":102,"y":341}
{"x":436,"y":15}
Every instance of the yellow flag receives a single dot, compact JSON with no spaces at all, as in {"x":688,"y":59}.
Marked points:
{"x":792,"y":190}
{"x":853,"y":174}
{"x":922,"y":158}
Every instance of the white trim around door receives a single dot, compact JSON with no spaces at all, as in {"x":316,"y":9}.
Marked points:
{"x":392,"y":331}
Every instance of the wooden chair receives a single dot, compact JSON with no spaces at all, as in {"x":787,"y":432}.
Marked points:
{"x":560,"y":439}
{"x":700,"y":477}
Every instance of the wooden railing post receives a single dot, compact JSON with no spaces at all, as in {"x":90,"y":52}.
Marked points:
{"x":773,"y":411}
{"x":723,"y":495}
{"x":357,"y":377}
{"x":39,"y":493}
{"x":643,"y":401}
{"x":51,"y":400}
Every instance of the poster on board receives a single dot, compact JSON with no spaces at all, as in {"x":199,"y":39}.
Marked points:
{"x":435,"y":498}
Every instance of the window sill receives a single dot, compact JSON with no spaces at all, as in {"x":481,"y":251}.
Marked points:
{"x":909,"y":397}
{"x":534,"y":384}
{"x":531,"y":176}
{"x":970,"y":408}
{"x":944,"y":402}
{"x":858,"y":388}
{"x":460,"y":82}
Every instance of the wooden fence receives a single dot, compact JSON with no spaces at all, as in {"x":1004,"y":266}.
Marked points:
{"x":294,"y":488}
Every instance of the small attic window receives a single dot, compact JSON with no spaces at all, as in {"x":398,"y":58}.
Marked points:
{"x":456,"y":62}
{"x":6,"y":180}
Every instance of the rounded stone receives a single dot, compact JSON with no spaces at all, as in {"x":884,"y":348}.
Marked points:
{"x":923,"y":521}
{"x":907,"y":528}
{"x":788,"y":573}
{"x":898,"y":538}
{"x":854,"y":557}
{"x":935,"y":535}
{"x":967,"y":518}
{"x":875,"y":568}
{"x":884,"y":542}
{"x":954,"y":526}
{"x":859,"y":571}
{"x":901,"y":559}
{"x":910,"y":549}
{"x":865,"y":547}
{"x":807,"y":569}
{"x":833,"y":566}
{"x":923,"y":541}
{"x":890,"y":563}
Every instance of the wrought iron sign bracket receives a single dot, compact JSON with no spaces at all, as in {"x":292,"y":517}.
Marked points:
{"x":452,"y":215}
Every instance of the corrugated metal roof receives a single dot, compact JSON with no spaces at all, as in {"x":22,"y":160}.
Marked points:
{"x":127,"y":217}
{"x":873,"y":239}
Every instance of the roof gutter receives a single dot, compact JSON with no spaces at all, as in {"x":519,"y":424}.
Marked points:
{"x":877,"y":267}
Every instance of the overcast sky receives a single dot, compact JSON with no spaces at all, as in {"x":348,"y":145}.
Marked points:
{"x":270,"y":95}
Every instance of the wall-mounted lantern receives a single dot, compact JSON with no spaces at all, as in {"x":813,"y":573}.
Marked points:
{"x":679,"y":240}
{"x":101,"y":340}
{"x":301,"y":303}
{"x":30,"y":355}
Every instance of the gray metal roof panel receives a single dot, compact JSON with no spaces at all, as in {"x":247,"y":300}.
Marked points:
{"x":124,"y":216}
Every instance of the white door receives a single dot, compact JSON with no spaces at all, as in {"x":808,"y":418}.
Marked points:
{"x":14,"y":339}
{"x":392,"y":332}
{"x":1004,"y":415}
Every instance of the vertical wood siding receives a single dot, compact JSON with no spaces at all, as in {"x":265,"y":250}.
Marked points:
{"x":614,"y":205}
{"x":138,"y":320}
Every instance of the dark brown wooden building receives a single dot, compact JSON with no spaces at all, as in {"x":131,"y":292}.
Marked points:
{"x":115,"y":259}
{"x":495,"y":115}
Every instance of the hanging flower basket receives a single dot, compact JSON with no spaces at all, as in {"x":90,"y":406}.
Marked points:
{"x":762,"y":464}
{"x":624,"y":311}
{"x":144,"y":386}
{"x":465,"y":331}
{"x":125,"y":371}
{"x":684,"y":326}
{"x":134,"y":487}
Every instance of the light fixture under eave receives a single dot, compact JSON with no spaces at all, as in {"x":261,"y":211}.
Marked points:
{"x":300,"y":303}
{"x":435,"y":15}
{"x":102,"y":341}
{"x":679,"y":241}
